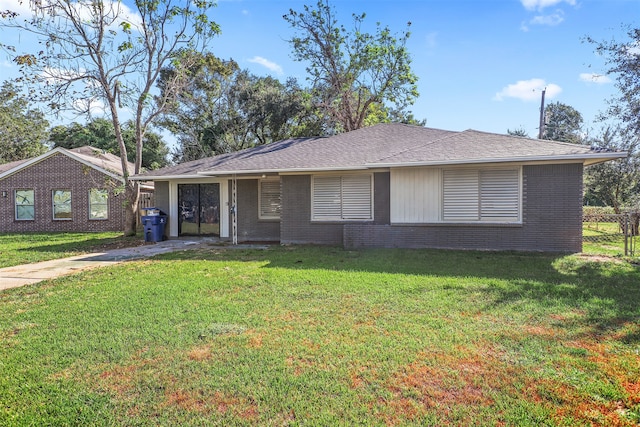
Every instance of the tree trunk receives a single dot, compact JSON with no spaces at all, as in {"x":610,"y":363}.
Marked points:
{"x":131,"y":188}
{"x":132,"y":196}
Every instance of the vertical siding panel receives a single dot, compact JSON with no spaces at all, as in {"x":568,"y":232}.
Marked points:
{"x":415,"y":195}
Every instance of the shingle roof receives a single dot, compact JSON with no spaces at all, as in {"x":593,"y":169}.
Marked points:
{"x":7,"y":166}
{"x":383,"y":145}
{"x":472,"y":146}
{"x":107,"y":162}
{"x":102,"y":159}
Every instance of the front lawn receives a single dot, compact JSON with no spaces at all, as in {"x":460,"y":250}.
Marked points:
{"x":324,"y":336}
{"x":16,"y":249}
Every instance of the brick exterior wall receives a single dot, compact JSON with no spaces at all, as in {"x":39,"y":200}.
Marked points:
{"x":551,"y":221}
{"x":250,"y":227}
{"x":295,"y":219}
{"x":296,"y":224}
{"x":59,"y":172}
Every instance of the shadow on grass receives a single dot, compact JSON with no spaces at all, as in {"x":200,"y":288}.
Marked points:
{"x":607,"y":292}
{"x":88,"y":245}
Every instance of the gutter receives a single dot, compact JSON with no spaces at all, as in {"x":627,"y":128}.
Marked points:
{"x":586,"y":159}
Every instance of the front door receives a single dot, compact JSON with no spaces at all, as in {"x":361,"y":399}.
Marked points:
{"x":198,"y":209}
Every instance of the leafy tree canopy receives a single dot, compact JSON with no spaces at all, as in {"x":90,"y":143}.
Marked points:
{"x":224,"y":109}
{"x":23,"y":128}
{"x":562,"y":123}
{"x":112,"y":53}
{"x":99,"y":133}
{"x":518,"y":132}
{"x":615,"y":183}
{"x":623,"y":63}
{"x":355,"y":75}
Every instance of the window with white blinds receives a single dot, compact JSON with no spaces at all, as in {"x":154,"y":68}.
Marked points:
{"x":269,"y":199}
{"x":491,"y":195}
{"x":500,"y":195}
{"x":346,"y":197}
{"x":461,"y":195}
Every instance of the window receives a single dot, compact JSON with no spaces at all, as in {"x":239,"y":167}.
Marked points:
{"x":347,"y":197}
{"x":25,"y":204}
{"x":98,"y":204}
{"x":61,"y":204}
{"x":269,"y":199}
{"x":491,"y":195}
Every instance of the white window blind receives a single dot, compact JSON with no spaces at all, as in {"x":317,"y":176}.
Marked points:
{"x":327,"y":197}
{"x":460,"y":195}
{"x":269,"y":199}
{"x":356,"y":197}
{"x":499,"y":195}
{"x":491,"y":195}
{"x":345,"y":197}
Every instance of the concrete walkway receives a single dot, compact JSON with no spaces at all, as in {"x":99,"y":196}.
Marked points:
{"x":20,"y":275}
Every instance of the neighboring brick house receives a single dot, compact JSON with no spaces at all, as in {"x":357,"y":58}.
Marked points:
{"x":389,"y":185}
{"x":62,"y":191}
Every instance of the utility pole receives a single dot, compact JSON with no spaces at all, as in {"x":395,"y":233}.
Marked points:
{"x":541,"y":128}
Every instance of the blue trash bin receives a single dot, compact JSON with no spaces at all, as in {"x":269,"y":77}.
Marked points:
{"x":153,"y":225}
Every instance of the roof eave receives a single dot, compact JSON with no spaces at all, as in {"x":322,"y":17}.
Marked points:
{"x":67,"y":153}
{"x":281,"y":170}
{"x":162,"y":177}
{"x":586,"y":159}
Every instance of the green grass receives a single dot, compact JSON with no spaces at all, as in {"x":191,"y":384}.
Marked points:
{"x":324,"y":336}
{"x":16,"y":249}
{"x":606,"y":238}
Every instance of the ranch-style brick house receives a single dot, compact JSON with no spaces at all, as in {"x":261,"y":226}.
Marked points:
{"x":389,"y":185}
{"x":63,"y":190}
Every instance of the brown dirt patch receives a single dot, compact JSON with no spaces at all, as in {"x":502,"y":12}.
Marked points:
{"x":444,"y":381}
{"x":219,"y":402}
{"x":200,"y":354}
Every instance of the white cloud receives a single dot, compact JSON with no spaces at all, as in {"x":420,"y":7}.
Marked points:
{"x":272,"y":66}
{"x":114,"y":9}
{"x":542,"y":4}
{"x":549,"y":20}
{"x":528,"y":90}
{"x":594,"y":78}
{"x":92,"y":106}
{"x":20,"y":7}
{"x":60,"y":75}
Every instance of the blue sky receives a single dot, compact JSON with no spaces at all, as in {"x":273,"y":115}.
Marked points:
{"x":481,"y":64}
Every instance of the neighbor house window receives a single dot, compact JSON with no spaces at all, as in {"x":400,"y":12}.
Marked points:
{"x":491,"y":195}
{"x":345,"y":197}
{"x":269,"y":199}
{"x":62,"y":204}
{"x":25,"y":204}
{"x":98,"y":204}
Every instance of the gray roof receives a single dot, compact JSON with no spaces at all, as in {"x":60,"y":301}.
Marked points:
{"x":384,"y":145}
{"x":105,"y":162}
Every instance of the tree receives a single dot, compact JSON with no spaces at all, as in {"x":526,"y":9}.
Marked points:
{"x":100,"y":51}
{"x":225,"y":109}
{"x":23,"y":129}
{"x":562,"y":123}
{"x":99,"y":133}
{"x":352,"y":73}
{"x":622,"y":60}
{"x":616,"y":183}
{"x":518,"y":132}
